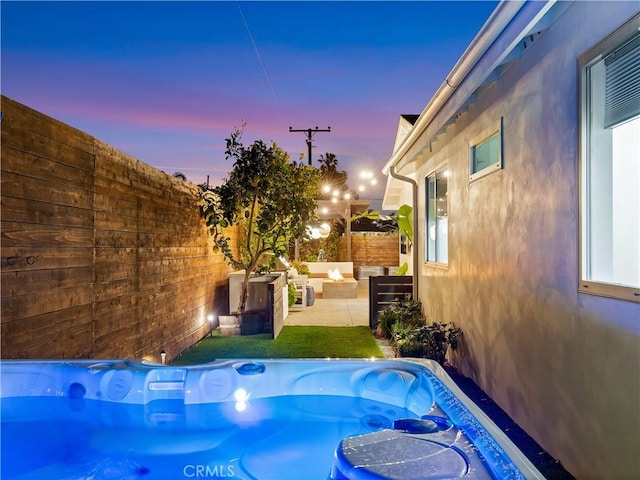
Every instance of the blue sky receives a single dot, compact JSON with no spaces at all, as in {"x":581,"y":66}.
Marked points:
{"x":167,"y":82}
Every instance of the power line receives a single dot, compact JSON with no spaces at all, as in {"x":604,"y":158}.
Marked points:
{"x":310,"y":132}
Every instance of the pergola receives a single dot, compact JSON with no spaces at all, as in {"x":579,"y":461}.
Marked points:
{"x":342,"y":209}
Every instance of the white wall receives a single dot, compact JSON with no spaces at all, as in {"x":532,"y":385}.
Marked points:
{"x":406,"y":198}
{"x":564,"y":365}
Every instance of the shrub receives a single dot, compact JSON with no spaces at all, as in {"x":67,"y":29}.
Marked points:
{"x":404,"y":323}
{"x":407,"y":312}
{"x":291,"y":291}
{"x":301,"y":268}
{"x":427,"y":341}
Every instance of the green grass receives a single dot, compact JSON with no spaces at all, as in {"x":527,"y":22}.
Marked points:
{"x":293,"y":342}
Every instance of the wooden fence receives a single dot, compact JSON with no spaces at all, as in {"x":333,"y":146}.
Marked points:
{"x":371,"y":250}
{"x":102,"y":255}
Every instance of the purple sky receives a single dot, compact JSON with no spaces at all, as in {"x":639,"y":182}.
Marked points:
{"x":167,"y":82}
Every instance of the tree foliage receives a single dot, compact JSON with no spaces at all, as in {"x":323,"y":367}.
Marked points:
{"x":269,"y":198}
{"x":337,"y":179}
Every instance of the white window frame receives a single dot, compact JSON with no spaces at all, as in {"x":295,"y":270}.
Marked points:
{"x":441,"y":171}
{"x":495,"y":129}
{"x":590,"y":58}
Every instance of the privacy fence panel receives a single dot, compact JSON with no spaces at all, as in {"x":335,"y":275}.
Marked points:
{"x":102,"y":255}
{"x":383,"y":290}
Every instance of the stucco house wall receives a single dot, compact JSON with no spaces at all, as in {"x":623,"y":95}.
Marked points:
{"x":563,"y":365}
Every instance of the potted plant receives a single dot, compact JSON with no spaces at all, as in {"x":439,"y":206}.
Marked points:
{"x":404,"y":323}
{"x":269,"y":199}
{"x":427,"y":341}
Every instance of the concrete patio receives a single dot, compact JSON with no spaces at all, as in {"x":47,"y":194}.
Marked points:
{"x":334,"y":312}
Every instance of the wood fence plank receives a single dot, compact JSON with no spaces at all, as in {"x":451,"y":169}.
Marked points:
{"x":21,"y":282}
{"x":20,"y":186}
{"x":25,"y":235}
{"x":38,"y":212}
{"x":68,"y":164}
{"x":27,"y":258}
{"x":18,"y":307}
{"x":27,"y":329}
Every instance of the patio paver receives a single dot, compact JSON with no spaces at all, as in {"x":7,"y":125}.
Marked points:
{"x":334,"y":312}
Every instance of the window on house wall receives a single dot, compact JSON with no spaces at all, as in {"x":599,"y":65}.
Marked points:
{"x":610,"y":166}
{"x":485,"y":152}
{"x":437,"y":217}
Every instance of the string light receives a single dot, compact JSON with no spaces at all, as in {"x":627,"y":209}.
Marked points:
{"x":368,"y":178}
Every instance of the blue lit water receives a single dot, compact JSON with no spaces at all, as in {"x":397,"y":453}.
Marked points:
{"x":281,"y":438}
{"x":273,"y":419}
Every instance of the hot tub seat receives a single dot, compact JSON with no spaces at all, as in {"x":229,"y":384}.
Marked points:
{"x":397,"y":455}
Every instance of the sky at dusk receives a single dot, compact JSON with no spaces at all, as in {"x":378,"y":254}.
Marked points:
{"x":167,"y":82}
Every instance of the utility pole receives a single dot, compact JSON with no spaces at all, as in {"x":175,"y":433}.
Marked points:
{"x":310,"y":132}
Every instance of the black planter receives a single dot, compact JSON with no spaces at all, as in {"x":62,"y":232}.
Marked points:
{"x":252,"y":323}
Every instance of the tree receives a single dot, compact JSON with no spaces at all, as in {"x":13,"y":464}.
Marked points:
{"x":333,"y":177}
{"x":269,"y":198}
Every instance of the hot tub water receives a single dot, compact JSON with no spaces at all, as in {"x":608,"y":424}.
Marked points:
{"x":272,"y":419}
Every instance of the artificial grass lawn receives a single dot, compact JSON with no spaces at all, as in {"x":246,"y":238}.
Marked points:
{"x":293,"y":342}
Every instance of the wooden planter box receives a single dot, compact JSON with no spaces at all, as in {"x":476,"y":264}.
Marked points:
{"x":267,"y":295}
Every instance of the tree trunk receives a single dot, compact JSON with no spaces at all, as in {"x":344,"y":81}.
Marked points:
{"x":244,"y":293}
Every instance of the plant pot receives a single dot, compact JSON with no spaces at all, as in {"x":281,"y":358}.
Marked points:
{"x":229,"y":320}
{"x":230,"y":330}
{"x":229,"y":325}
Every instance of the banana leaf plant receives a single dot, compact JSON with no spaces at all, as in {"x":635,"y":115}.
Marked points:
{"x":404,"y":220}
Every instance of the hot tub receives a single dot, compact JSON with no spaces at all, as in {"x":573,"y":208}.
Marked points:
{"x":269,"y":419}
